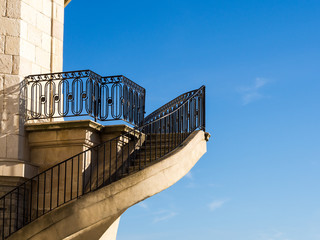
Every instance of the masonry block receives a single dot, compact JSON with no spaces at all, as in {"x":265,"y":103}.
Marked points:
{"x":43,"y":58}
{"x":46,"y":7}
{"x":1,"y":86}
{"x":34,"y":35}
{"x":2,"y":43}
{"x":27,"y":50}
{"x":15,"y":64}
{"x":36,"y":69}
{"x":44,"y":23}
{"x":12,"y":85}
{"x":9,"y":26}
{"x":3,"y":6}
{"x":28,"y":14}
{"x":24,"y":30}
{"x":12,"y":45}
{"x":25,"y":66}
{"x":46,"y":42}
{"x":14,"y":8}
{"x":57,"y":30}
{"x":14,"y":143}
{"x":3,"y":146}
{"x":58,"y":12}
{"x":5,"y":63}
{"x":35,"y":4}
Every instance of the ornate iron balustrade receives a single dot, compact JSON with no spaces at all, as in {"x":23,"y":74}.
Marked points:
{"x":83,"y":93}
{"x":104,"y":163}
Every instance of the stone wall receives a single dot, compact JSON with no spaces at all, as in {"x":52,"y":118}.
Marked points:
{"x":31,"y":42}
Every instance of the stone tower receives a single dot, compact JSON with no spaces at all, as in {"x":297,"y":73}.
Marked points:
{"x":31,"y":42}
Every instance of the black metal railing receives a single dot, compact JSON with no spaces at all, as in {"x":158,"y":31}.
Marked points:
{"x":83,"y":93}
{"x":104,"y":163}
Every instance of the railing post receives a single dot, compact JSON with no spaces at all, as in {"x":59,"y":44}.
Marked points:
{"x":204,"y":108}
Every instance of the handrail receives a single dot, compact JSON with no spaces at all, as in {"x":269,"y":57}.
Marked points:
{"x":102,"y":164}
{"x":168,"y":107}
{"x":83,"y":93}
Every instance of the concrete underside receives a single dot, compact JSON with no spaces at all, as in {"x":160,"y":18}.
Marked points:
{"x":90,"y":216}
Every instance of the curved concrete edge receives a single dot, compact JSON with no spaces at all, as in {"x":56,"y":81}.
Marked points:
{"x":92,"y":214}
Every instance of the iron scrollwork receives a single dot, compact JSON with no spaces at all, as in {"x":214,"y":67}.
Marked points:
{"x":83,"y":93}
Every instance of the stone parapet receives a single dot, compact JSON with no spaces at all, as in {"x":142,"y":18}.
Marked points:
{"x":52,"y":142}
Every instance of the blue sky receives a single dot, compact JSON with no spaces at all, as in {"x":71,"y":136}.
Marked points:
{"x":260,"y":60}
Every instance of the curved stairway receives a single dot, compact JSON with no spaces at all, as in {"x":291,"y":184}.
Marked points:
{"x":81,"y":197}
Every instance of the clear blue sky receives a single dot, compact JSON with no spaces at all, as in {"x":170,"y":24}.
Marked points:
{"x":260,"y":61}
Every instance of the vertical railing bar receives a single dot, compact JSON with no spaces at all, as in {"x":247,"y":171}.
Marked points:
{"x":160,"y":133}
{"x":37,"y":209}
{"x":165,"y":135}
{"x":134,"y":146}
{"x":78,"y":176}
{"x":58,"y":187}
{"x":30,"y":199}
{"x":71,"y":181}
{"x":155,"y":144}
{"x":24,"y":204}
{"x":84,"y":173}
{"x":129,"y":158}
{"x":97,"y":167}
{"x":44,"y":193}
{"x":10,"y":211}
{"x":110,"y":162}
{"x":122,"y":165}
{"x":145,"y":147}
{"x":151,"y":141}
{"x":17,"y":217}
{"x":204,"y":109}
{"x":90,"y":179}
{"x":116,"y":152}
{"x":51,"y":197}
{"x":104,"y":162}
{"x":3,"y":216}
{"x":65,"y":182}
{"x":140,"y":146}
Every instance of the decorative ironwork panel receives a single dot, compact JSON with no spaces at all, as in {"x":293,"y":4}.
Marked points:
{"x":83,"y":93}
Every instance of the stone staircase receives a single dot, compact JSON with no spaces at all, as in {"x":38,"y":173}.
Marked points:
{"x":93,"y":188}
{"x":155,"y":147}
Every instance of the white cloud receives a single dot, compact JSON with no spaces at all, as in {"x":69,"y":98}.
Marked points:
{"x":275,"y":235}
{"x":143,"y":205}
{"x":165,"y":215}
{"x":216,"y":204}
{"x":252,"y":93}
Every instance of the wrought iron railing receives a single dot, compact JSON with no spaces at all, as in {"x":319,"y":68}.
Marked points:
{"x":103,"y":164}
{"x":83,"y":93}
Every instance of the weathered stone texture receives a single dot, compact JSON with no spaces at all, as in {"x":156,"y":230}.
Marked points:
{"x":5,"y":63}
{"x":3,"y":147}
{"x":3,"y":8}
{"x":14,"y":8}
{"x":12,"y":45}
{"x":9,"y":26}
{"x":26,"y":47}
{"x":12,"y":81}
{"x":15,"y":65}
{"x":2,"y":43}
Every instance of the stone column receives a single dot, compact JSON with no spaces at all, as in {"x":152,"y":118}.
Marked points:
{"x":31,"y":42}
